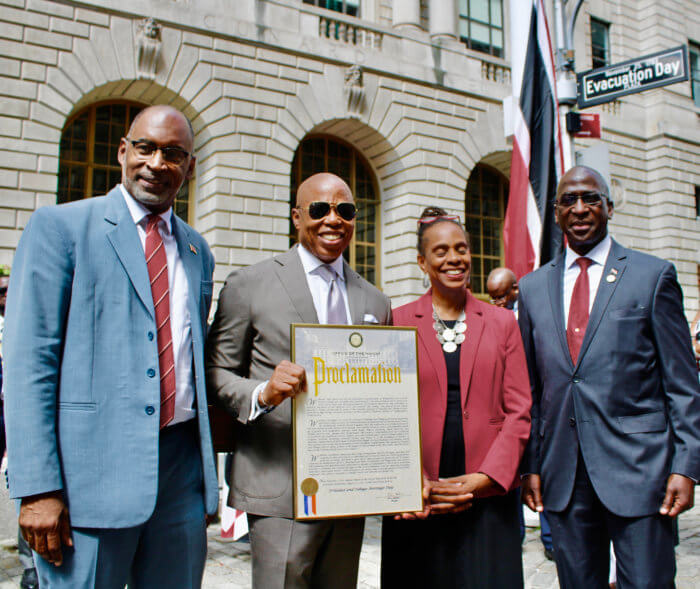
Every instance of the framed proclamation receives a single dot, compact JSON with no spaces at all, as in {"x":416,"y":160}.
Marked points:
{"x":357,"y":427}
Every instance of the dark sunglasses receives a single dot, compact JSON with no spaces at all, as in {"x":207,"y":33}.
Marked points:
{"x":171,"y":154}
{"x":590,"y":199}
{"x":320,"y":208}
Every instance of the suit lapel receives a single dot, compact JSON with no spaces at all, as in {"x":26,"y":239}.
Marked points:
{"x":556,"y":300}
{"x":470,"y":346}
{"x":123,"y":235}
{"x":356,"y":294}
{"x":427,"y":337}
{"x":616,"y":261}
{"x":293,"y":278}
{"x":191,"y":262}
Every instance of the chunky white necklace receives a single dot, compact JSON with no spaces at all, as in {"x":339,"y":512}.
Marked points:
{"x":450,"y":338}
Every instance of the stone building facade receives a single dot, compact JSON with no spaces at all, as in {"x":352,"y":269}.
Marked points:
{"x":403,"y":98}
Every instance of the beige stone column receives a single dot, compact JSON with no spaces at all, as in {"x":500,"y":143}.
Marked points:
{"x":406,"y":13}
{"x":443,"y":19}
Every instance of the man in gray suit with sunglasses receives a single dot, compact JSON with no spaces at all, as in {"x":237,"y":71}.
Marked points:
{"x":249,"y":370}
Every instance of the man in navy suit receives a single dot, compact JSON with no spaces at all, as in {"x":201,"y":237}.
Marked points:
{"x":615,"y":446}
{"x":107,"y":428}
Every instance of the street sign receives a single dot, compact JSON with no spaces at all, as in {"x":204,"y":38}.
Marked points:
{"x":651,"y":71}
{"x":583,"y":124}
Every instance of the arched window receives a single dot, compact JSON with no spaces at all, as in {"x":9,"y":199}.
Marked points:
{"x":88,"y":163}
{"x":486,"y":198}
{"x":326,"y":154}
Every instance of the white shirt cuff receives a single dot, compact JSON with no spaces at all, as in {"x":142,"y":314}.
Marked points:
{"x":255,"y":409}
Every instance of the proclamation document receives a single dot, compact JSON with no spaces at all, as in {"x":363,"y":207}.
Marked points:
{"x":357,"y":428}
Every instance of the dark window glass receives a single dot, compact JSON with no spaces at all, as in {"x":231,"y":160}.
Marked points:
{"x":324,"y":154}
{"x":694,"y":54}
{"x":486,"y":197}
{"x":600,"y":43}
{"x":351,"y":7}
{"x":88,"y":163}
{"x":697,"y":201}
{"x":481,"y":25}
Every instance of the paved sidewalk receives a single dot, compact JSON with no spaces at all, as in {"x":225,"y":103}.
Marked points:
{"x":228,"y":563}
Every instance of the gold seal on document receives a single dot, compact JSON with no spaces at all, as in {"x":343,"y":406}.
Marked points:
{"x":309,"y":486}
{"x":355,"y":339}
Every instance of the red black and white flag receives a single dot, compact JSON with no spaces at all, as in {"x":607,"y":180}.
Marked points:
{"x":530,"y":233}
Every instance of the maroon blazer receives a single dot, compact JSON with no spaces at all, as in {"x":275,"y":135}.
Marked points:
{"x":495,"y":389}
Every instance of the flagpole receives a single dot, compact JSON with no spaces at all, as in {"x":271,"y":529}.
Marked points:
{"x":566,"y":75}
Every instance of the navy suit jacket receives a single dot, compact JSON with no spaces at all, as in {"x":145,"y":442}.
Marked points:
{"x":632,"y":402}
{"x":82,"y":394}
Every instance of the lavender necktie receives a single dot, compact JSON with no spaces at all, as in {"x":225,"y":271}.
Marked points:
{"x":335,"y":305}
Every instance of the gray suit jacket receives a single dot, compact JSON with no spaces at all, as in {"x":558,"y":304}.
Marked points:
{"x":249,"y":337}
{"x":632,"y":402}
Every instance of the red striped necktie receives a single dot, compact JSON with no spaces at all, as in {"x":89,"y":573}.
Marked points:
{"x":157,"y":263}
{"x":578,"y":310}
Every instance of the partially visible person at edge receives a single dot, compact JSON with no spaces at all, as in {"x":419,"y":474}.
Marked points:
{"x":615,"y":447}
{"x":474,"y":403}
{"x":107,"y":428}
{"x":502,"y":286}
{"x":29,"y":579}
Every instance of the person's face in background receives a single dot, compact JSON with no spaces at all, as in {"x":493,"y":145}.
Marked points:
{"x":446,"y":257}
{"x":503,"y":291}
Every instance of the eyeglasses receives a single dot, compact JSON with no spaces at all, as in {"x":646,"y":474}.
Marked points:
{"x":171,"y":154}
{"x":589,"y":199}
{"x":428,"y":220}
{"x":320,"y":208}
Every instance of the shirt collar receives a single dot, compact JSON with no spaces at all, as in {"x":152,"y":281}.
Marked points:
{"x":138,"y":212}
{"x":312,"y":263}
{"x":599,"y":253}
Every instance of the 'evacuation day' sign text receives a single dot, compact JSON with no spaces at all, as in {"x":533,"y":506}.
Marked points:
{"x":651,"y":71}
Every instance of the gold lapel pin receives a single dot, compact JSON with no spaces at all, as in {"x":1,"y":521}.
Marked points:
{"x":193,"y":249}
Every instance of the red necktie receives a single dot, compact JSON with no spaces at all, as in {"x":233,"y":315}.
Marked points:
{"x":578,"y":310}
{"x":157,"y":263}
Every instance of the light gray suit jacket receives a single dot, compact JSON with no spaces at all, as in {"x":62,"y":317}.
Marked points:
{"x":249,"y":337}
{"x":82,"y":396}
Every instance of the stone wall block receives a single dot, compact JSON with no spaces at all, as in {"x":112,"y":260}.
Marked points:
{"x":69,"y":27}
{"x":10,"y":127}
{"x":84,"y":51}
{"x":92,"y":17}
{"x":11,"y":31}
{"x":49,"y":97}
{"x":29,"y":53}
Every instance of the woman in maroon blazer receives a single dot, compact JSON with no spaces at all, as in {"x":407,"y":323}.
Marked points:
{"x":475,"y":421}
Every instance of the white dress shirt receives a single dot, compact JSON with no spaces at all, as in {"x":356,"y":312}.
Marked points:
{"x":598,"y":255}
{"x":180,"y":326}
{"x":319,"y":293}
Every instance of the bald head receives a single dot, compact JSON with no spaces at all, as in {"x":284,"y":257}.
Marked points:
{"x":321,"y":183}
{"x":160,"y":110}
{"x":502,"y":286}
{"x":579,"y":173}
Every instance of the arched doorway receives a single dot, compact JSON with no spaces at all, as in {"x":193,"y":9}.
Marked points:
{"x":328,"y":154}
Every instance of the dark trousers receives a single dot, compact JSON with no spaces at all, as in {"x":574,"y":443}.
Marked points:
{"x":644,"y":546}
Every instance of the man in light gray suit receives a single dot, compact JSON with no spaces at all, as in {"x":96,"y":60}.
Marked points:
{"x":615,"y":446}
{"x":249,"y":370}
{"x":107,"y":430}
